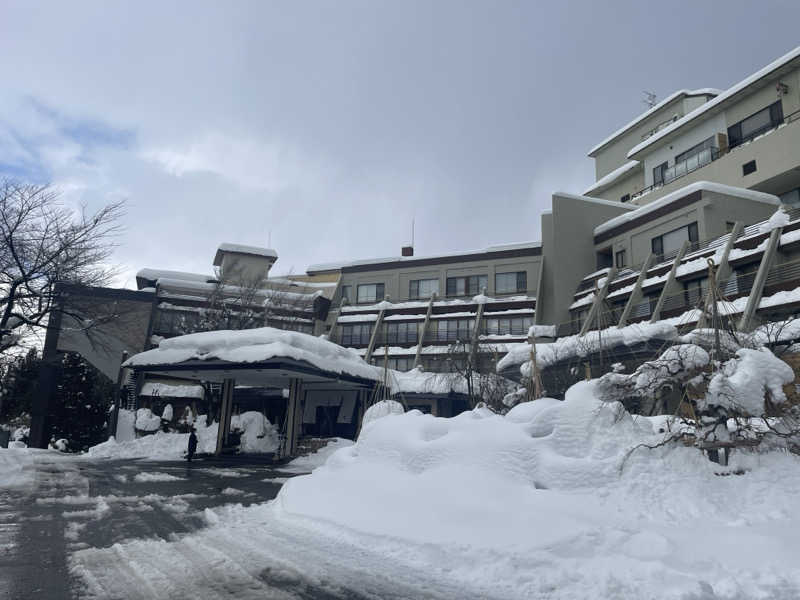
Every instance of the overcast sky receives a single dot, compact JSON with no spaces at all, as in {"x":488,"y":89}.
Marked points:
{"x":330,"y":125}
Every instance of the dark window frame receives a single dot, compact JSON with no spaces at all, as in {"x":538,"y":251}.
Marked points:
{"x":472,"y":285}
{"x":520,"y":282}
{"x":380,"y":292}
{"x":736,"y":137}
{"x":658,"y":173}
{"x":413,"y":288}
{"x":619,"y":259}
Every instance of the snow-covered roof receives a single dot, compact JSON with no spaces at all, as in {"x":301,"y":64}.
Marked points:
{"x":156,"y":274}
{"x":612,"y":177}
{"x":650,"y":112}
{"x":720,"y":99}
{"x":417,"y":381}
{"x":614,"y":203}
{"x":683,"y":192}
{"x":242,"y":249}
{"x":257,"y":345}
{"x":398,"y":259}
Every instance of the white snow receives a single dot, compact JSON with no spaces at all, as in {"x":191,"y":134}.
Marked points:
{"x":381,"y":409}
{"x":681,"y":193}
{"x":542,"y":331}
{"x":155,"y":477}
{"x":258,"y":436}
{"x":14,"y":467}
{"x":309,"y":462}
{"x":612,"y":177}
{"x":254,"y":345}
{"x":146,"y":420}
{"x":744,"y":381}
{"x":242,"y":249}
{"x":780,"y":218}
{"x":723,"y":97}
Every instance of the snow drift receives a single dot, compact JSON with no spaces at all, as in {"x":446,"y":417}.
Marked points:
{"x":566,"y":486}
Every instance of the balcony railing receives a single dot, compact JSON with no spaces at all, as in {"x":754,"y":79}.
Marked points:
{"x":689,"y":165}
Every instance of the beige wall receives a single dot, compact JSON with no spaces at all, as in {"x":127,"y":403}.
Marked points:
{"x":628,"y":185}
{"x":568,"y":248}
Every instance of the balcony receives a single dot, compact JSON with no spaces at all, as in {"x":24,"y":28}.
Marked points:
{"x":686,"y":166}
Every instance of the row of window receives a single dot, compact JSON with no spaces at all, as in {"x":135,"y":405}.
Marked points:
{"x":421,"y":289}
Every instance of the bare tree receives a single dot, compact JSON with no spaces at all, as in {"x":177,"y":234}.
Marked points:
{"x":43,"y":244}
{"x":478,"y":369}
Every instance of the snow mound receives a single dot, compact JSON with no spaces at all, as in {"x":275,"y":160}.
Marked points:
{"x":146,"y":420}
{"x":559,"y":500}
{"x":258,"y":437}
{"x":14,"y":466}
{"x":384,"y":408}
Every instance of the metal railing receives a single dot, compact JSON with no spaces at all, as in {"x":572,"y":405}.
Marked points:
{"x":691,"y":164}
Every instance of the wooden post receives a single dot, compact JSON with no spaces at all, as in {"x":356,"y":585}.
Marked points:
{"x":636,"y":292}
{"x":374,"y":337}
{"x":724,"y":270}
{"x":294,"y":416}
{"x":599,"y":298}
{"x":112,"y":426}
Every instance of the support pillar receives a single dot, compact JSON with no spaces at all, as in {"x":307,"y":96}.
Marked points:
{"x":754,"y":299}
{"x":374,"y":337}
{"x":599,"y":298}
{"x":669,"y":284}
{"x":476,"y":333}
{"x":225,"y":414}
{"x":294,"y":416}
{"x":724,"y":270}
{"x":636,"y":293}
{"x":426,"y":324}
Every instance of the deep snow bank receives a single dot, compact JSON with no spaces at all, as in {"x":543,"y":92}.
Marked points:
{"x":258,"y":437}
{"x":550,"y":481}
{"x":14,"y":467}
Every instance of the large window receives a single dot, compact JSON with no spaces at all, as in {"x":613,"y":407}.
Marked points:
{"x":673,"y":240}
{"x":704,"y":145}
{"x":403,"y":363}
{"x":509,"y":326}
{"x":466,"y":286}
{"x":505,"y":283}
{"x":370,"y":292}
{"x":755,"y":124}
{"x":658,"y":174}
{"x":401,"y":333}
{"x":422,"y":288}
{"x":455,"y":329}
{"x":620,"y":259}
{"x":356,"y":334}
{"x":695,"y":291}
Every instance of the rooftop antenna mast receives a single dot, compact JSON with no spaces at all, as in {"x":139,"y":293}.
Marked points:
{"x":412,"y":232}
{"x":649,"y":99}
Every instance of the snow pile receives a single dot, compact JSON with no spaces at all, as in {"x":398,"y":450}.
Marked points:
{"x":745,"y":381}
{"x":580,"y":345}
{"x":542,"y":331}
{"x":552,"y":501}
{"x":255,"y":345}
{"x":157,"y":388}
{"x":780,"y":218}
{"x":258,"y":436}
{"x":146,"y":420}
{"x":166,"y":415}
{"x":14,"y":465}
{"x":309,"y":462}
{"x":381,"y":409}
{"x":126,"y":425}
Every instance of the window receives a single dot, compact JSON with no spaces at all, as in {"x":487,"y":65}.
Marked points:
{"x":452,"y":330}
{"x":505,"y":283}
{"x":403,"y":363}
{"x":625,"y":198}
{"x":673,"y":240}
{"x":347,"y":293}
{"x":695,"y":291}
{"x":658,"y":174}
{"x":370,"y":292}
{"x":401,"y":333}
{"x":749,"y":167}
{"x":620,"y":259}
{"x":356,"y":334}
{"x":792,"y":197}
{"x":422,"y":288}
{"x":466,"y":286}
{"x":518,"y":326}
{"x":729,"y":225}
{"x":704,"y":145}
{"x":756,"y":124}
{"x":604,"y":259}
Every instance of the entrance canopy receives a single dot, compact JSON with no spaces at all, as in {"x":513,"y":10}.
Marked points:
{"x":264,"y":357}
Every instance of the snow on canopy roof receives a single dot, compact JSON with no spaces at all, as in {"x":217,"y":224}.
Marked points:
{"x":650,"y":112}
{"x":612,"y":177}
{"x":257,"y":345}
{"x":614,"y":203}
{"x":417,"y":381}
{"x":155,"y":388}
{"x":390,"y":259}
{"x":156,"y":274}
{"x":722,"y":97}
{"x":707,"y":186}
{"x":242,"y":249}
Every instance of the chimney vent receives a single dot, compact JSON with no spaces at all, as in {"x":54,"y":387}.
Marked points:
{"x":408,"y":251}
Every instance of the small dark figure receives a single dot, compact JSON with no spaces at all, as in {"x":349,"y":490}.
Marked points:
{"x":192,"y":445}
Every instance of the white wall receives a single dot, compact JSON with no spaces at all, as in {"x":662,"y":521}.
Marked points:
{"x":694,"y":136}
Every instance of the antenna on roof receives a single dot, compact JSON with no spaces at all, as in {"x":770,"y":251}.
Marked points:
{"x":269,"y":239}
{"x":412,"y":232}
{"x":649,"y":99}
